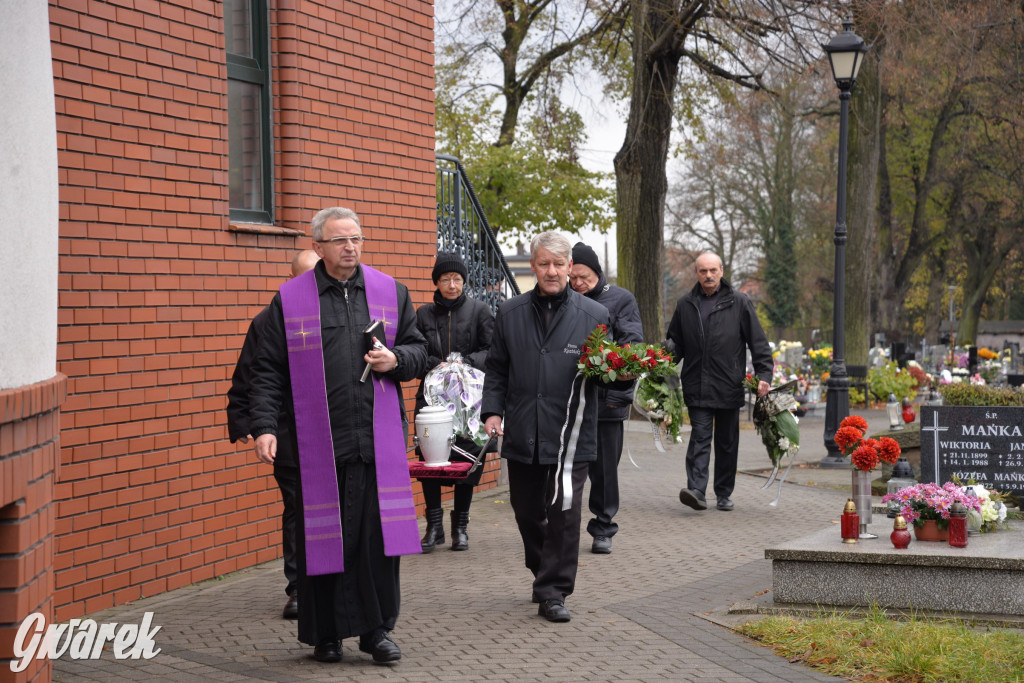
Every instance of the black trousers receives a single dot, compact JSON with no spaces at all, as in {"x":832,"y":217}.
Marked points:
{"x":604,"y":479}
{"x":288,"y":481}
{"x":551,"y":536}
{"x":724,"y":424}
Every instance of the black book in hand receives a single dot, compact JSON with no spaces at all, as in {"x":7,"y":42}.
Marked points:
{"x":370,"y":336}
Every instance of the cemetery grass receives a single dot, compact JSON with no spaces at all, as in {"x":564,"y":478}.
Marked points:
{"x":878,"y":648}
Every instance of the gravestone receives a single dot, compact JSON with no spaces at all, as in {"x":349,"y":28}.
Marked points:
{"x":793,"y":358}
{"x":983,"y":443}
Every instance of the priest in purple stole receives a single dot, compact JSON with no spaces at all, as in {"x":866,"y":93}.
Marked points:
{"x":357,"y":513}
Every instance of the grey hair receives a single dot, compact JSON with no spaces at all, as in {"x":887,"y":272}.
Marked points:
{"x":553,"y":241}
{"x":333,"y":213}
{"x":721,"y":264}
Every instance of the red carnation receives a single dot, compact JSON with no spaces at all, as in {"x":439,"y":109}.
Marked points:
{"x":864,"y":458}
{"x":889,"y":449}
{"x":615,"y":360}
{"x":847,"y":437}
{"x":855,"y":421}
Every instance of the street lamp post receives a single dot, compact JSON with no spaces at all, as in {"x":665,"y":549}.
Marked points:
{"x":846,"y":54}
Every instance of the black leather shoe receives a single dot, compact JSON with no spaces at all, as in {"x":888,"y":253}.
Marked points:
{"x":694,"y":499}
{"x":602,"y":545}
{"x":291,"y":608}
{"x":379,"y":644}
{"x":725,"y":504}
{"x":553,"y":610}
{"x":328,"y":652}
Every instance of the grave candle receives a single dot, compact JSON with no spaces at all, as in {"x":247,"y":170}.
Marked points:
{"x":849,"y":523}
{"x":958,"y":525}
{"x":900,"y":537}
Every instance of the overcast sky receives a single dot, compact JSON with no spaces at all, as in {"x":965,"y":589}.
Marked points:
{"x":606,"y":128}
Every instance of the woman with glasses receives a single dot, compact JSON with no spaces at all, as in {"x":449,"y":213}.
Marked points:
{"x":452,"y":323}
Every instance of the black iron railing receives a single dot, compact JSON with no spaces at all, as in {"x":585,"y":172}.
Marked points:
{"x":462,"y":228}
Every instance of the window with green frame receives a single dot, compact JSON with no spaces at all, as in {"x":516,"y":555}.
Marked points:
{"x":250,"y":177}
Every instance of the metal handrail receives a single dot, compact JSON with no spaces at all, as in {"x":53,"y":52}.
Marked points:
{"x":462,"y":228}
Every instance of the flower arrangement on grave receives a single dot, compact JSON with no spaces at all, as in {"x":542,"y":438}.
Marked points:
{"x":987,"y":353}
{"x":603,"y":358}
{"x":865,"y":453}
{"x":781,"y":373}
{"x":922,"y":502}
{"x":779,"y":350}
{"x":922,"y":380}
{"x":991,"y":511}
{"x":821,"y":360}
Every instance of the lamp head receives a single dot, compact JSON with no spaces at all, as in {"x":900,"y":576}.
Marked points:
{"x":845,"y":55}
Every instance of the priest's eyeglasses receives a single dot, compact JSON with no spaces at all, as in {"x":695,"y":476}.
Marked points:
{"x":342,"y":240}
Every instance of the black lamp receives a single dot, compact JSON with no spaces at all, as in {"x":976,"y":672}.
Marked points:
{"x":845,"y":56}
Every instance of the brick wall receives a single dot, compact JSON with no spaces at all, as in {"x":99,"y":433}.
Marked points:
{"x":28,"y":460}
{"x":157,"y":288}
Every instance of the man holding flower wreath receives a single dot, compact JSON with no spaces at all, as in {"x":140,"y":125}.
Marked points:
{"x":536,"y":398}
{"x":711,"y":330}
{"x":587,"y":278}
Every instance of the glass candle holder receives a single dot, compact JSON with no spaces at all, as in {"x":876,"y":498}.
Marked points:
{"x":958,"y":525}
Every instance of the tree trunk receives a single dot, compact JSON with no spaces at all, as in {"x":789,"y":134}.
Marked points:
{"x":866,"y":137}
{"x":934,"y":314}
{"x":640,"y":176}
{"x":985,"y":248}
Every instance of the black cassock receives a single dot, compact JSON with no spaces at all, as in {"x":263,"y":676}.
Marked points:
{"x":367,"y":594}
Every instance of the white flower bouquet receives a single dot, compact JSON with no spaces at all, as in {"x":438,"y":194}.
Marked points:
{"x":992,"y":512}
{"x":459,"y":387}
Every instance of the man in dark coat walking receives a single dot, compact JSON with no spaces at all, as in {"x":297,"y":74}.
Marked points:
{"x":711,"y":330}
{"x":285,"y":464}
{"x":587,"y":278}
{"x":530,"y":386}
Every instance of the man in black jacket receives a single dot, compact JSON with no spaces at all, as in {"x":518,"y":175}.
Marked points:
{"x":587,"y":278}
{"x":361,"y":597}
{"x":531,"y":379}
{"x":711,"y":329}
{"x":285,"y":462}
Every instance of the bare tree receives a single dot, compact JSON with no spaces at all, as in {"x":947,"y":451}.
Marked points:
{"x":722,"y":40}
{"x":755,"y":193}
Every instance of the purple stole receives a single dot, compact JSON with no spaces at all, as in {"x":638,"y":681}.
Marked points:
{"x":321,"y":512}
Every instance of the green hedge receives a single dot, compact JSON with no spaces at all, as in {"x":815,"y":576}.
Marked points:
{"x":964,"y":394}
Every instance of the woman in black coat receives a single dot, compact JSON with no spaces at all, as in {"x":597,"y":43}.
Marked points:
{"x":453,"y":322}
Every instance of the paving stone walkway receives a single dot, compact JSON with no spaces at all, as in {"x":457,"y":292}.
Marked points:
{"x":646,"y":612}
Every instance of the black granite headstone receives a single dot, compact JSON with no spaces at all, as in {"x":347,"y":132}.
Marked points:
{"x":983,"y":443}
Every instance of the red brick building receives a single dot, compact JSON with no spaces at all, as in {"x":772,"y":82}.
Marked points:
{"x":195,"y":140}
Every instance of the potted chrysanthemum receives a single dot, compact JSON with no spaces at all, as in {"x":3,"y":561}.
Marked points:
{"x":927,"y":507}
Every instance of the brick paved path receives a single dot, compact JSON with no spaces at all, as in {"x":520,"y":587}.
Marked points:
{"x":639,"y":614}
